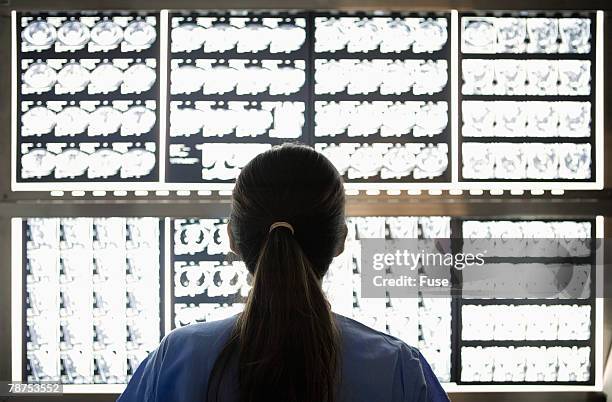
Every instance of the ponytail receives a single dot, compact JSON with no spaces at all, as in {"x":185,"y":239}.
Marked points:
{"x":286,"y":338}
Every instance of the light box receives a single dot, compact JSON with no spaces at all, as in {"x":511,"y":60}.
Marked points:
{"x":61,"y":310}
{"x":181,"y":100}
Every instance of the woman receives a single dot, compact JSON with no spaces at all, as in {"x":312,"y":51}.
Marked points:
{"x":287,"y":224}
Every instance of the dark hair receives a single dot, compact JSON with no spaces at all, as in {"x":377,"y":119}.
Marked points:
{"x":285,"y":345}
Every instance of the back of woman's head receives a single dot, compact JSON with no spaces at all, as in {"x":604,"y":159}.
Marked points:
{"x":285,"y":343}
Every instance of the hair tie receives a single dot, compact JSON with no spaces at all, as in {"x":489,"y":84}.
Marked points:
{"x":281,"y":224}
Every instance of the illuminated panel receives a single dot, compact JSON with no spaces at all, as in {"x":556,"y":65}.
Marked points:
{"x":382,"y":97}
{"x":237,"y":87}
{"x":208,"y":286}
{"x":529,"y":340}
{"x":93,"y":285}
{"x":86,"y":100}
{"x":92,"y":298}
{"x":527,"y":100}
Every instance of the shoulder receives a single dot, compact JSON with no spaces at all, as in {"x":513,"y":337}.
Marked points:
{"x":198,"y":338}
{"x":202,"y":329}
{"x":392,"y":365}
{"x":363,"y":343}
{"x":356,"y":332}
{"x":175,"y":370}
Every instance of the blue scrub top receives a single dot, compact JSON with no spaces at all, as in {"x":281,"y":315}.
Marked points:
{"x":376,"y":366}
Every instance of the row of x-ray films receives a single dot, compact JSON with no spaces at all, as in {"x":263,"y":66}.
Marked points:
{"x":243,"y":119}
{"x":92,"y":297}
{"x":526,"y":161}
{"x":211,"y":279}
{"x":356,"y":35}
{"x":525,"y":35}
{"x":390,"y":119}
{"x":89,"y":118}
{"x":526,"y":77}
{"x":526,"y":119}
{"x":95,"y":33}
{"x":383,"y":34}
{"x":194,"y":236}
{"x":387,"y":161}
{"x":525,"y":322}
{"x":242,"y":76}
{"x":387,"y":77}
{"x":242,"y":34}
{"x":95,"y":160}
{"x":533,"y":238}
{"x":525,"y":364}
{"x":209,"y":287}
{"x":551,"y":281}
{"x":67,"y":77}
